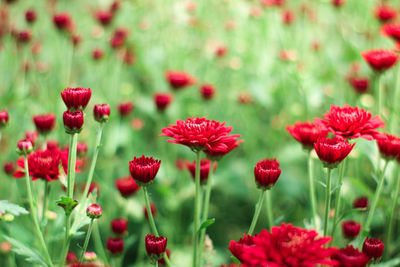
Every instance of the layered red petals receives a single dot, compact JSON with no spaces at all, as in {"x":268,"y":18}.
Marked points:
{"x":307,"y":133}
{"x":332,"y":151}
{"x":380,"y":60}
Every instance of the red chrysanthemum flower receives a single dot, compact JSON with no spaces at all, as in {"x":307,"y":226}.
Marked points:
{"x":237,"y":248}
{"x":73,"y":121}
{"x":30,"y":15}
{"x":155,"y":246}
{"x":179,"y":79}
{"x":42,"y":164}
{"x":350,"y":229}
{"x":162,"y":100}
{"x":115,"y":245}
{"x":266,"y":173}
{"x":392,"y":31}
{"x":62,"y":21}
{"x":380,"y":60}
{"x":9,"y":167}
{"x":97,"y":54}
{"x":388,"y":145}
{"x":227,"y":144}
{"x":349,"y":122}
{"x":361,"y":203}
{"x":125,"y":108}
{"x":104,"y":17}
{"x":205,"y":165}
{"x":119,"y":226}
{"x":373,"y":248}
{"x":76,"y":98}
{"x":44,"y":123}
{"x":126,"y":186}
{"x":101,"y":112}
{"x":307,"y":133}
{"x":332,"y":151}
{"x":359,"y":84}
{"x":207,"y":91}
{"x":288,"y":245}
{"x":351,"y":257}
{"x":144,"y":169}
{"x":385,"y":13}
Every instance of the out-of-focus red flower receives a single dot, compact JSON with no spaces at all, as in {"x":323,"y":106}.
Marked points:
{"x":392,"y":31}
{"x":266,"y":173}
{"x":97,"y":54}
{"x":288,"y":55}
{"x":388,"y":145}
{"x":76,"y":98}
{"x":81,"y":149}
{"x":360,"y":203}
{"x":153,"y":210}
{"x":62,"y":21}
{"x":350,"y":229}
{"x":126,"y":186}
{"x":119,"y":226}
{"x":162,"y":100}
{"x":115,"y":245}
{"x":4,"y":118}
{"x":286,"y":245}
{"x":52,"y":144}
{"x":288,"y":17}
{"x":273,"y":2}
{"x":104,"y":17}
{"x":125,"y":108}
{"x":359,"y":84}
{"x":128,"y":56}
{"x":101,"y":112}
{"x":332,"y":151}
{"x":144,"y":169}
{"x":349,"y":122}
{"x":92,"y":187}
{"x":24,"y":36}
{"x":207,"y":91}
{"x":385,"y":13}
{"x":180,"y":164}
{"x":373,"y":248}
{"x":64,"y":161}
{"x":155,"y":246}
{"x":71,"y":257}
{"x":380,"y":60}
{"x":221,"y":51}
{"x":44,"y":123}
{"x":9,"y":167}
{"x":76,"y":39}
{"x":338,"y":3}
{"x":115,"y":6}
{"x":351,"y":257}
{"x":73,"y":121}
{"x":30,"y":16}
{"x":32,"y":136}
{"x":205,"y":165}
{"x":119,"y":37}
{"x":179,"y":79}
{"x":244,"y":98}
{"x":307,"y":133}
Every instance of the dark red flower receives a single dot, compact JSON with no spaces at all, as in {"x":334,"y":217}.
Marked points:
{"x":81,"y":149}
{"x":205,"y":165}
{"x":373,"y":248}
{"x":125,"y":108}
{"x":349,"y":122}
{"x":144,"y":169}
{"x":94,"y":211}
{"x":101,"y":112}
{"x":52,"y":144}
{"x":76,"y":39}
{"x":388,"y":145}
{"x":179,"y":79}
{"x":24,"y":36}
{"x":97,"y":54}
{"x":272,"y":2}
{"x":359,"y":84}
{"x":73,"y":121}
{"x":42,"y":164}
{"x":338,"y":3}
{"x":392,"y":31}
{"x":287,"y":245}
{"x":385,"y":13}
{"x":71,"y":257}
{"x":380,"y":60}
{"x":76,"y":98}
{"x":4,"y":118}
{"x":350,"y":229}
{"x":207,"y":91}
{"x":155,"y":246}
{"x":162,"y":100}
{"x":126,"y":186}
{"x":332,"y":151}
{"x":266,"y":173}
{"x":62,"y":21}
{"x":44,"y":123}
{"x":24,"y":147}
{"x":307,"y":133}
{"x":9,"y":167}
{"x":360,"y":203}
{"x":237,"y":248}
{"x":92,"y":187}
{"x":351,"y":257}
{"x":115,"y":6}
{"x":115,"y":245}
{"x":104,"y":17}
{"x":153,"y":210}
{"x":30,"y":15}
{"x":119,"y":226}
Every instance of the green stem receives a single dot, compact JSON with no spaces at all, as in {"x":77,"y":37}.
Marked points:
{"x":34,"y":216}
{"x":393,"y":114}
{"x":270,"y":217}
{"x":256,"y":213}
{"x":98,"y":244}
{"x":338,"y":198}
{"x":375,"y":201}
{"x":46,"y":192}
{"x":392,"y":211}
{"x":89,"y":232}
{"x":380,"y":93}
{"x":327,"y":201}
{"x":72,"y":164}
{"x":67,"y":240}
{"x":197,"y":204}
{"x":312,"y":190}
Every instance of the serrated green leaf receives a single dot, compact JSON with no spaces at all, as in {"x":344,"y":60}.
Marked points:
{"x":68,"y":204}
{"x":207,"y":223}
{"x":28,"y":253}
{"x":7,"y":207}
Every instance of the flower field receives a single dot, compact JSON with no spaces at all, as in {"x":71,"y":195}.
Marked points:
{"x":227,"y":133}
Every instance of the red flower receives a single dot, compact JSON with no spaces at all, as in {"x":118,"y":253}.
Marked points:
{"x":144,"y":169}
{"x":207,"y":91}
{"x":44,"y":123}
{"x":94,"y":211}
{"x":155,"y":246}
{"x":119,"y":226}
{"x":62,"y":21}
{"x":338,"y":3}
{"x":97,"y":54}
{"x":104,"y":17}
{"x":350,"y":229}
{"x":349,"y":122}
{"x":237,"y":248}
{"x":81,"y":149}
{"x":205,"y":165}
{"x":332,"y":151}
{"x":266,"y":173}
{"x":101,"y":112}
{"x":200,"y":134}
{"x":373,"y":248}
{"x":385,"y":13}
{"x":115,"y":245}
{"x":24,"y":36}
{"x":41,"y":164}
{"x":30,"y":15}
{"x":76,"y":98}
{"x":73,"y":121}
{"x":380,"y":60}
{"x":64,"y":161}
{"x":359,"y":84}
{"x":221,"y":51}
{"x":392,"y":31}
{"x":71,"y":257}
{"x":307,"y":133}
{"x":125,"y":108}
{"x":288,"y":246}
{"x":32,"y":136}
{"x":360,"y":203}
{"x":4,"y":118}
{"x":52,"y":144}
{"x":9,"y":167}
{"x":126,"y":186}
{"x":351,"y":257}
{"x":162,"y":100}
{"x":179,"y":79}
{"x":388,"y":145}
{"x":288,"y":17}
{"x":24,"y":147}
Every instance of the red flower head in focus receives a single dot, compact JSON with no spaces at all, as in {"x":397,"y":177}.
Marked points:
{"x":266,"y":173}
{"x":351,"y":257}
{"x":237,"y":247}
{"x":162,"y":100}
{"x":380,"y":60}
{"x":392,"y":31}
{"x":207,"y":91}
{"x":307,"y":133}
{"x":125,"y":108}
{"x":205,"y":165}
{"x":44,"y":123}
{"x":73,"y":121}
{"x":385,"y":13}
{"x":288,"y":245}
{"x":76,"y":98}
{"x":144,"y":169}
{"x":126,"y":186}
{"x":349,"y":122}
{"x":350,"y":229}
{"x":179,"y":79}
{"x":359,"y":84}
{"x":373,"y":248}
{"x":155,"y":246}
{"x":101,"y":112}
{"x":389,"y":146}
{"x":332,"y":151}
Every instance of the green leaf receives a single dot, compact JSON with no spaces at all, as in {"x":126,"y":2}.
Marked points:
{"x":235,"y":260}
{"x":68,"y":204}
{"x":7,"y":207}
{"x":207,"y":223}
{"x":391,"y":263}
{"x":30,"y":254}
{"x":80,"y":217}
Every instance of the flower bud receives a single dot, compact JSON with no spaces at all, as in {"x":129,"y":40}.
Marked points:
{"x":144,"y":169}
{"x":76,"y":98}
{"x":155,"y":246}
{"x":89,"y":256}
{"x":30,"y":15}
{"x":350,"y":229}
{"x":44,"y":123}
{"x":73,"y":121}
{"x":373,"y":248}
{"x":119,"y":226}
{"x":162,"y":100}
{"x":126,"y":186}
{"x":101,"y":112}
{"x":4,"y":118}
{"x":24,"y":147}
{"x":125,"y":108}
{"x":94,"y":211}
{"x":115,"y":245}
{"x":266,"y":173}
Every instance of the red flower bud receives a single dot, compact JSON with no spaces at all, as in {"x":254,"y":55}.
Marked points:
{"x":207,"y":91}
{"x":104,"y":17}
{"x":101,"y":112}
{"x":126,"y":186}
{"x":360,"y":203}
{"x":266,"y":173}
{"x":125,"y":108}
{"x":52,"y":145}
{"x":385,"y":13}
{"x":119,"y":226}
{"x":359,"y":84}
{"x":144,"y":169}
{"x":162,"y":100}
{"x":4,"y":118}
{"x":332,"y":151}
{"x":76,"y":98}
{"x":179,"y":79}
{"x":338,"y":3}
{"x":373,"y":248}
{"x":71,"y":257}
{"x":389,"y":146}
{"x":205,"y":165}
{"x":62,"y":21}
{"x":115,"y":245}
{"x":81,"y":149}
{"x":350,"y":229}
{"x":30,"y":16}
{"x":97,"y":54}
{"x":94,"y":211}
{"x":24,"y":147}
{"x":73,"y":121}
{"x":155,"y":246}
{"x":9,"y":167}
{"x":44,"y":123}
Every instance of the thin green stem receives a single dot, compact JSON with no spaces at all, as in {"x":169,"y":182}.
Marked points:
{"x":270,"y":217}
{"x":327,"y":201}
{"x":375,"y":201}
{"x":393,"y":114}
{"x":72,"y":164}
{"x":98,"y":244}
{"x":312,"y":190}
{"x":338,"y":198}
{"x":46,"y":192}
{"x":67,"y":239}
{"x":257,"y":211}
{"x":34,"y":215}
{"x":89,"y":232}
{"x":391,"y":218}
{"x":197,"y":203}
{"x":380,"y":93}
